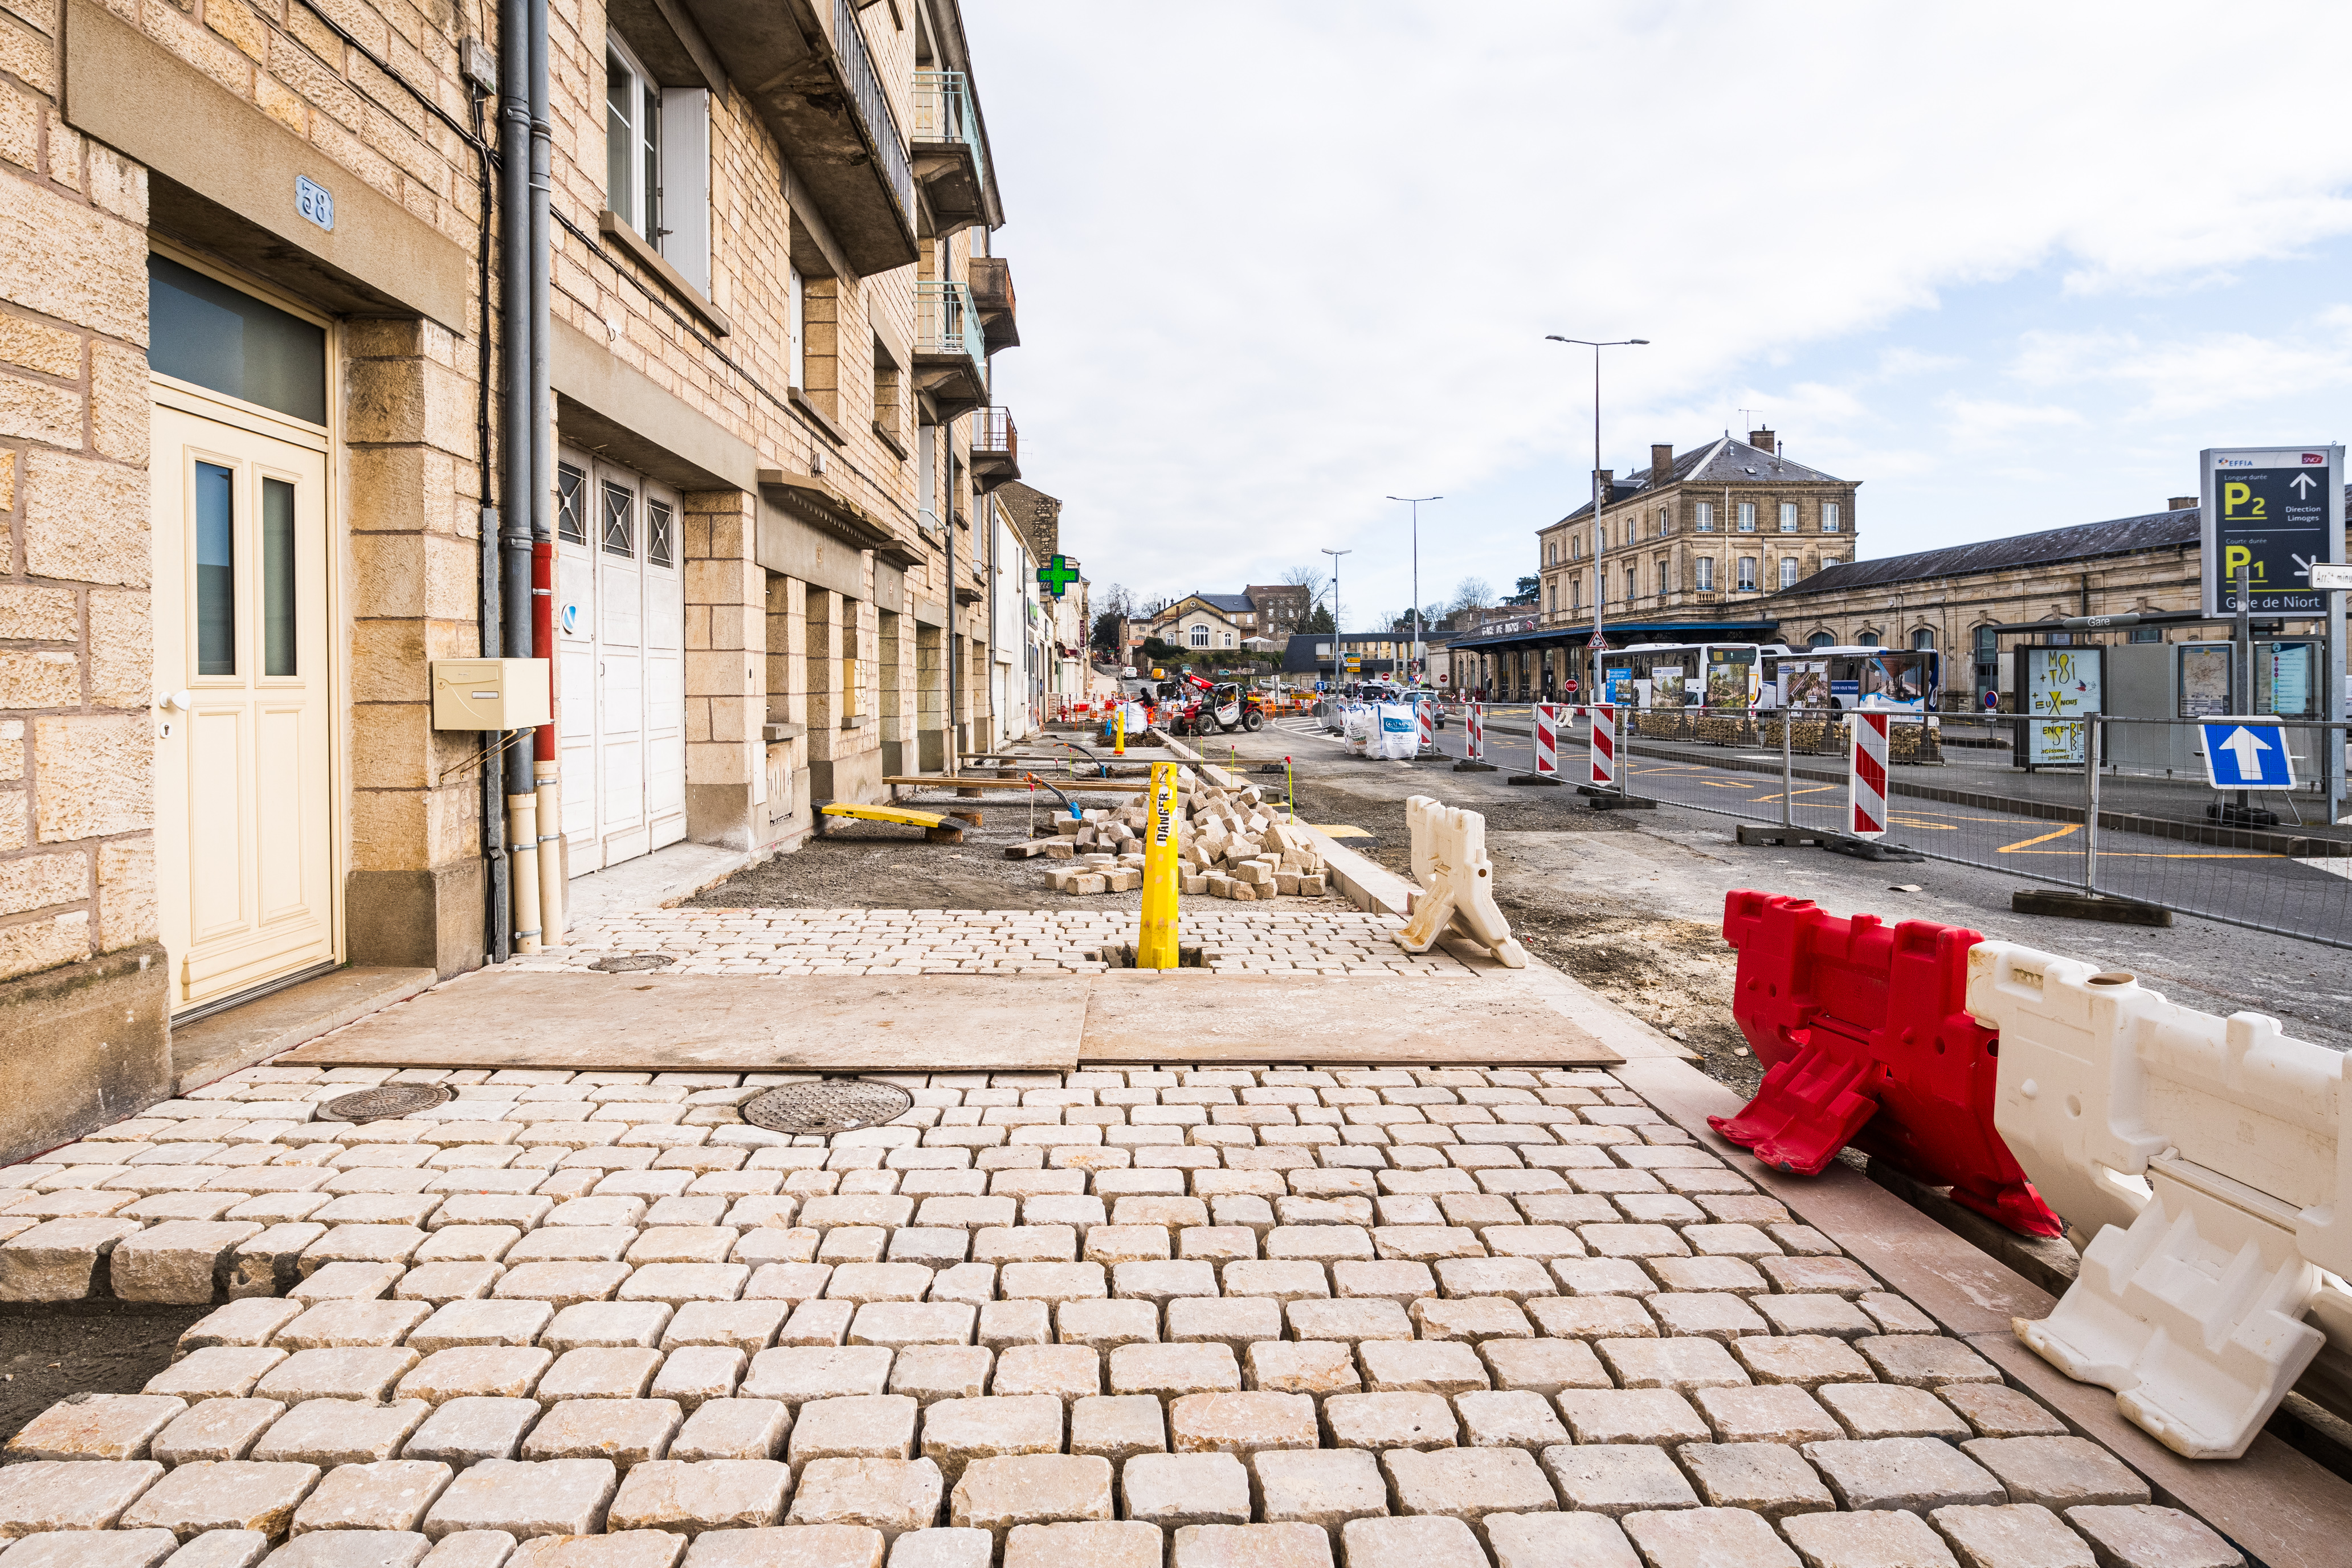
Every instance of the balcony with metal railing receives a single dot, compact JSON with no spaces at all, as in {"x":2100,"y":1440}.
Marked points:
{"x":950,"y":153}
{"x":803,"y":69}
{"x":995,"y":448}
{"x":872,"y":105}
{"x":991,"y":290}
{"x":951,"y":353}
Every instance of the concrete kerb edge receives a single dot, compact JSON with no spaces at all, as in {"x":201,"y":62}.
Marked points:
{"x":2276,"y":1505}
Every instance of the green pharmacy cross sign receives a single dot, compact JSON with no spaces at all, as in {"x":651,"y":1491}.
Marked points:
{"x":1058,"y":574}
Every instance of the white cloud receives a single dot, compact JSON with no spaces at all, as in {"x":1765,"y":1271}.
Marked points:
{"x":1278,"y":258}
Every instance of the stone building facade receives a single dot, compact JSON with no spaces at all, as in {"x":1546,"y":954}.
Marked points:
{"x":1702,"y":534}
{"x":250,"y":388}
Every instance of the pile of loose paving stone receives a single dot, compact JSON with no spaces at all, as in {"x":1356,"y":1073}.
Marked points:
{"x":1241,"y":1318}
{"x":1233,"y":844}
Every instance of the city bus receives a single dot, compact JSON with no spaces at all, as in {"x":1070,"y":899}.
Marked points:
{"x":1894,"y":679}
{"x":1687,"y":675}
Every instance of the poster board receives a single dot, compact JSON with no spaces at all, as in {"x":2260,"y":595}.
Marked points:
{"x":2058,"y":686}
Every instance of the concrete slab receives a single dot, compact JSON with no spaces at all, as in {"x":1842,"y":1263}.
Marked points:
{"x":583,"y":1020}
{"x":654,"y":881}
{"x":211,"y":1048}
{"x":1139,"y":1015}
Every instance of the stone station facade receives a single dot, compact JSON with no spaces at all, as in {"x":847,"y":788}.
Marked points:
{"x":1449,"y":1317}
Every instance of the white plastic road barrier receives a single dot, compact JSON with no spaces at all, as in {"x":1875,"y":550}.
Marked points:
{"x":2209,"y":1155}
{"x":1866,"y":776}
{"x":1604,"y":746}
{"x":1457,"y":879}
{"x":1547,"y":740}
{"x":1473,"y":738}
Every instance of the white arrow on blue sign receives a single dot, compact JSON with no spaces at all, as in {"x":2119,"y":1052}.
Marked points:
{"x":2246,"y":753}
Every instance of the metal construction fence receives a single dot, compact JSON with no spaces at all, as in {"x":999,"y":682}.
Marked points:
{"x":2013,"y":794}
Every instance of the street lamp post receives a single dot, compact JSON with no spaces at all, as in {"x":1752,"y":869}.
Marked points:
{"x":1600,"y":577}
{"x":1336,"y":633}
{"x":1415,"y":501}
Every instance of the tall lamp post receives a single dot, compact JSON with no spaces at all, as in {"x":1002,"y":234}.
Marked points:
{"x":1336,"y":633}
{"x":1415,"y":502}
{"x":1600,"y":577}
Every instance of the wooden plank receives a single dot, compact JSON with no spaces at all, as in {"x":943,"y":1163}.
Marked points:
{"x":578,"y":1019}
{"x":1195,"y":1015}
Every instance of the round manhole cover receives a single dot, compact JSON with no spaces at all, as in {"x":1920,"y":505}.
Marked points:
{"x":632,"y":963}
{"x":386,"y":1099}
{"x":836,"y":1105}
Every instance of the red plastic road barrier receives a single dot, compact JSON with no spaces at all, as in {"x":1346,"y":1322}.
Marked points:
{"x":1864,"y":1033}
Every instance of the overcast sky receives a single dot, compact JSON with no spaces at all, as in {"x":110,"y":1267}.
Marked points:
{"x":2008,"y":265}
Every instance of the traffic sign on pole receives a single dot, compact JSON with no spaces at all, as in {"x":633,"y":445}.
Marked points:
{"x":2246,"y":753}
{"x":2273,"y":512}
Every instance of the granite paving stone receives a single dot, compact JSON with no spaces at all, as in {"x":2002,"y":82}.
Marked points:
{"x":2020,"y":1535}
{"x":1176,"y":1489}
{"x":2143,"y":1535}
{"x":71,"y":1494}
{"x":379,"y":1495}
{"x":1426,"y":1542}
{"x":1873,"y":1538}
{"x":223,"y":1494}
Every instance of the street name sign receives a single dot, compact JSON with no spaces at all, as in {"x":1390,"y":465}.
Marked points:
{"x":2246,"y":753}
{"x":2274,"y":513}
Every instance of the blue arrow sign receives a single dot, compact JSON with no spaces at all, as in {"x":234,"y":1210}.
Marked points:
{"x":2246,"y":753}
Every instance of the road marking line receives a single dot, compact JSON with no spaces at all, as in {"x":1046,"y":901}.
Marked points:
{"x":2055,"y":833}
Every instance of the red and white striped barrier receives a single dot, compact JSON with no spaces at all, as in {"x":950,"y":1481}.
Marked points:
{"x":1474,"y":735}
{"x":1547,"y":740}
{"x":1604,"y":745}
{"x":1428,"y":726}
{"x":1866,"y":777}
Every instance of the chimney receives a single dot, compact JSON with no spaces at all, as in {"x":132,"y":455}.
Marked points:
{"x":2181,"y":503}
{"x":1761,"y":440}
{"x":1661,"y":463}
{"x":1604,"y":485}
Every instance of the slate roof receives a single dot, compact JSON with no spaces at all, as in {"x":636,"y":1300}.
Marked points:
{"x":1226,"y":604}
{"x":2082,"y":542}
{"x":1727,"y":461}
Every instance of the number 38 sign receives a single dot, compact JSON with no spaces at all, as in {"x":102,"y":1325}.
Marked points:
{"x":2271,"y":513}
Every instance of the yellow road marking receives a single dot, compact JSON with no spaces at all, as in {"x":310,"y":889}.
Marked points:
{"x":2055,"y":833}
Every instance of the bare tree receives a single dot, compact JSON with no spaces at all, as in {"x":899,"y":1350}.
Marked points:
{"x":1473,"y":593}
{"x":1308,"y":578}
{"x":1114,"y":600}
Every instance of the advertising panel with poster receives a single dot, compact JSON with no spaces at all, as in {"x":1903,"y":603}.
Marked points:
{"x":2204,"y":679}
{"x":1730,"y":677}
{"x":1805,"y":683}
{"x":1666,"y":684}
{"x":2059,"y":685}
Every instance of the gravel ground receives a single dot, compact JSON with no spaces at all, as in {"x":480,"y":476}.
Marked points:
{"x":85,"y":1347}
{"x":876,"y":865}
{"x":1674,"y":975}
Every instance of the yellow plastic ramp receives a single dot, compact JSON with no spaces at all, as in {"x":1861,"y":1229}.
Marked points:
{"x":935,"y":826}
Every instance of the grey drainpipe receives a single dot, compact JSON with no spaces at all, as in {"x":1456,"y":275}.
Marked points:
{"x":512,"y":554}
{"x":538,"y":567}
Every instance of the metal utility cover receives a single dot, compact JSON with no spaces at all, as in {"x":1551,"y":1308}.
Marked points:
{"x":836,"y":1105}
{"x":384,"y":1101}
{"x":2277,"y":510}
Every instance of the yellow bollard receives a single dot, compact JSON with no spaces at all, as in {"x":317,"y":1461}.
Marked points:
{"x":1120,"y":749}
{"x":1155,"y":944}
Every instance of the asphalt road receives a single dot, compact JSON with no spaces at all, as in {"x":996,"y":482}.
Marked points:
{"x":1675,"y":864}
{"x":2247,"y":882}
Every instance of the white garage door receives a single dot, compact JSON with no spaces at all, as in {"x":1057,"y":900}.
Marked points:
{"x":621,"y":625}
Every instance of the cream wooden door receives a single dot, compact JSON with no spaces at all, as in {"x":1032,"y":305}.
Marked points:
{"x":621,"y":619}
{"x":244,"y":725}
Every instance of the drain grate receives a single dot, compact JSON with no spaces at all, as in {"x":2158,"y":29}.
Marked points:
{"x":836,"y":1105}
{"x":384,"y":1101}
{"x":632,"y":963}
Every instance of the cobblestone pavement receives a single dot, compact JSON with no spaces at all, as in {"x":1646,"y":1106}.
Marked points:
{"x":1335,"y":939}
{"x":1242,"y":1318}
